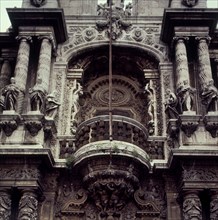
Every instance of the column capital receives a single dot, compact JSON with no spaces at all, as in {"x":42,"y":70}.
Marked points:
{"x":24,"y":38}
{"x":50,"y":38}
{"x":206,"y":39}
{"x":180,"y":38}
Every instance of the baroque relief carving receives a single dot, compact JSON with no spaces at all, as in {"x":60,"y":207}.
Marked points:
{"x":28,"y":207}
{"x":5,"y":205}
{"x":200,"y":175}
{"x":19,"y":173}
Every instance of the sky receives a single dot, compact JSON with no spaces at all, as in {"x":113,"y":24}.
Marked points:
{"x":5,"y":23}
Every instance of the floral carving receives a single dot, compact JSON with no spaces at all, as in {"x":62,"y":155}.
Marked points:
{"x":9,"y":127}
{"x":214,"y":208}
{"x":33,"y":127}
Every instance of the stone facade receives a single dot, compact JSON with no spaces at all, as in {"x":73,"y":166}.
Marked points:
{"x":76,"y":144}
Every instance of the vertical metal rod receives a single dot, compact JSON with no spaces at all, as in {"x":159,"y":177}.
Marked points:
{"x":110,"y":72}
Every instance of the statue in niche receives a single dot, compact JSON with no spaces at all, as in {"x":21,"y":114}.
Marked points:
{"x":77,"y":92}
{"x":186,"y":97}
{"x":171,"y":106}
{"x":37,"y":97}
{"x":38,"y":3}
{"x":209,"y":97}
{"x":10,"y":95}
{"x":189,"y":3}
{"x":52,"y":106}
{"x":150,"y":107}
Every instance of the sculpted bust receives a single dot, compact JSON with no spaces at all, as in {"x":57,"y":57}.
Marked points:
{"x":38,"y":3}
{"x":189,"y":3}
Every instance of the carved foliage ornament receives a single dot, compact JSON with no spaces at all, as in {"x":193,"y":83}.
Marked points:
{"x":38,"y":3}
{"x":5,"y":206}
{"x":189,"y":3}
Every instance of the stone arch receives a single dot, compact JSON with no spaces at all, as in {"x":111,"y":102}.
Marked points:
{"x":72,"y":52}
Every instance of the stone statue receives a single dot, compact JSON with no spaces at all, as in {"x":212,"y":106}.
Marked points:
{"x":128,"y":10}
{"x":186,"y":98}
{"x":37,"y":97}
{"x":171,"y":106}
{"x":210,"y":96}
{"x":77,"y":92}
{"x":10,"y":94}
{"x":52,"y":106}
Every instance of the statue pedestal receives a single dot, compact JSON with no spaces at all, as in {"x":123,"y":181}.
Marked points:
{"x":211,"y":123}
{"x":9,"y":122}
{"x":189,"y":122}
{"x":33,"y":122}
{"x":49,"y":127}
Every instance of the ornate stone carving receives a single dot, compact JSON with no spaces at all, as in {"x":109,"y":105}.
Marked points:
{"x":192,"y":206}
{"x":38,"y":3}
{"x":11,"y":94}
{"x":5,"y":205}
{"x":151,"y":200}
{"x":33,"y":127}
{"x":189,"y":3}
{"x":189,"y":123}
{"x":28,"y":206}
{"x":116,"y":18}
{"x":76,"y":93}
{"x":214,"y":206}
{"x":9,"y":121}
{"x":171,"y":106}
{"x":200,"y":174}
{"x":211,"y":124}
{"x":19,"y":173}
{"x":37,"y":97}
{"x":111,"y":189}
{"x":51,"y":106}
{"x":209,"y":92}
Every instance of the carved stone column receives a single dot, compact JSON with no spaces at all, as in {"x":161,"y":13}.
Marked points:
{"x":209,"y":92}
{"x":191,"y":208}
{"x":40,"y":89}
{"x":21,"y":69}
{"x":28,"y":206}
{"x":5,"y":75}
{"x":5,"y":205}
{"x":214,"y":206}
{"x":183,"y":87}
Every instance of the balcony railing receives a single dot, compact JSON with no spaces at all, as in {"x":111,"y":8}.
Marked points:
{"x":124,"y":129}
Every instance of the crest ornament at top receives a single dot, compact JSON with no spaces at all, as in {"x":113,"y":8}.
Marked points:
{"x":38,"y":3}
{"x":189,"y":3}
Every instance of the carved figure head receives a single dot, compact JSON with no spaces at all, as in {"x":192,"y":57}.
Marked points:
{"x":189,"y":3}
{"x":38,"y":3}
